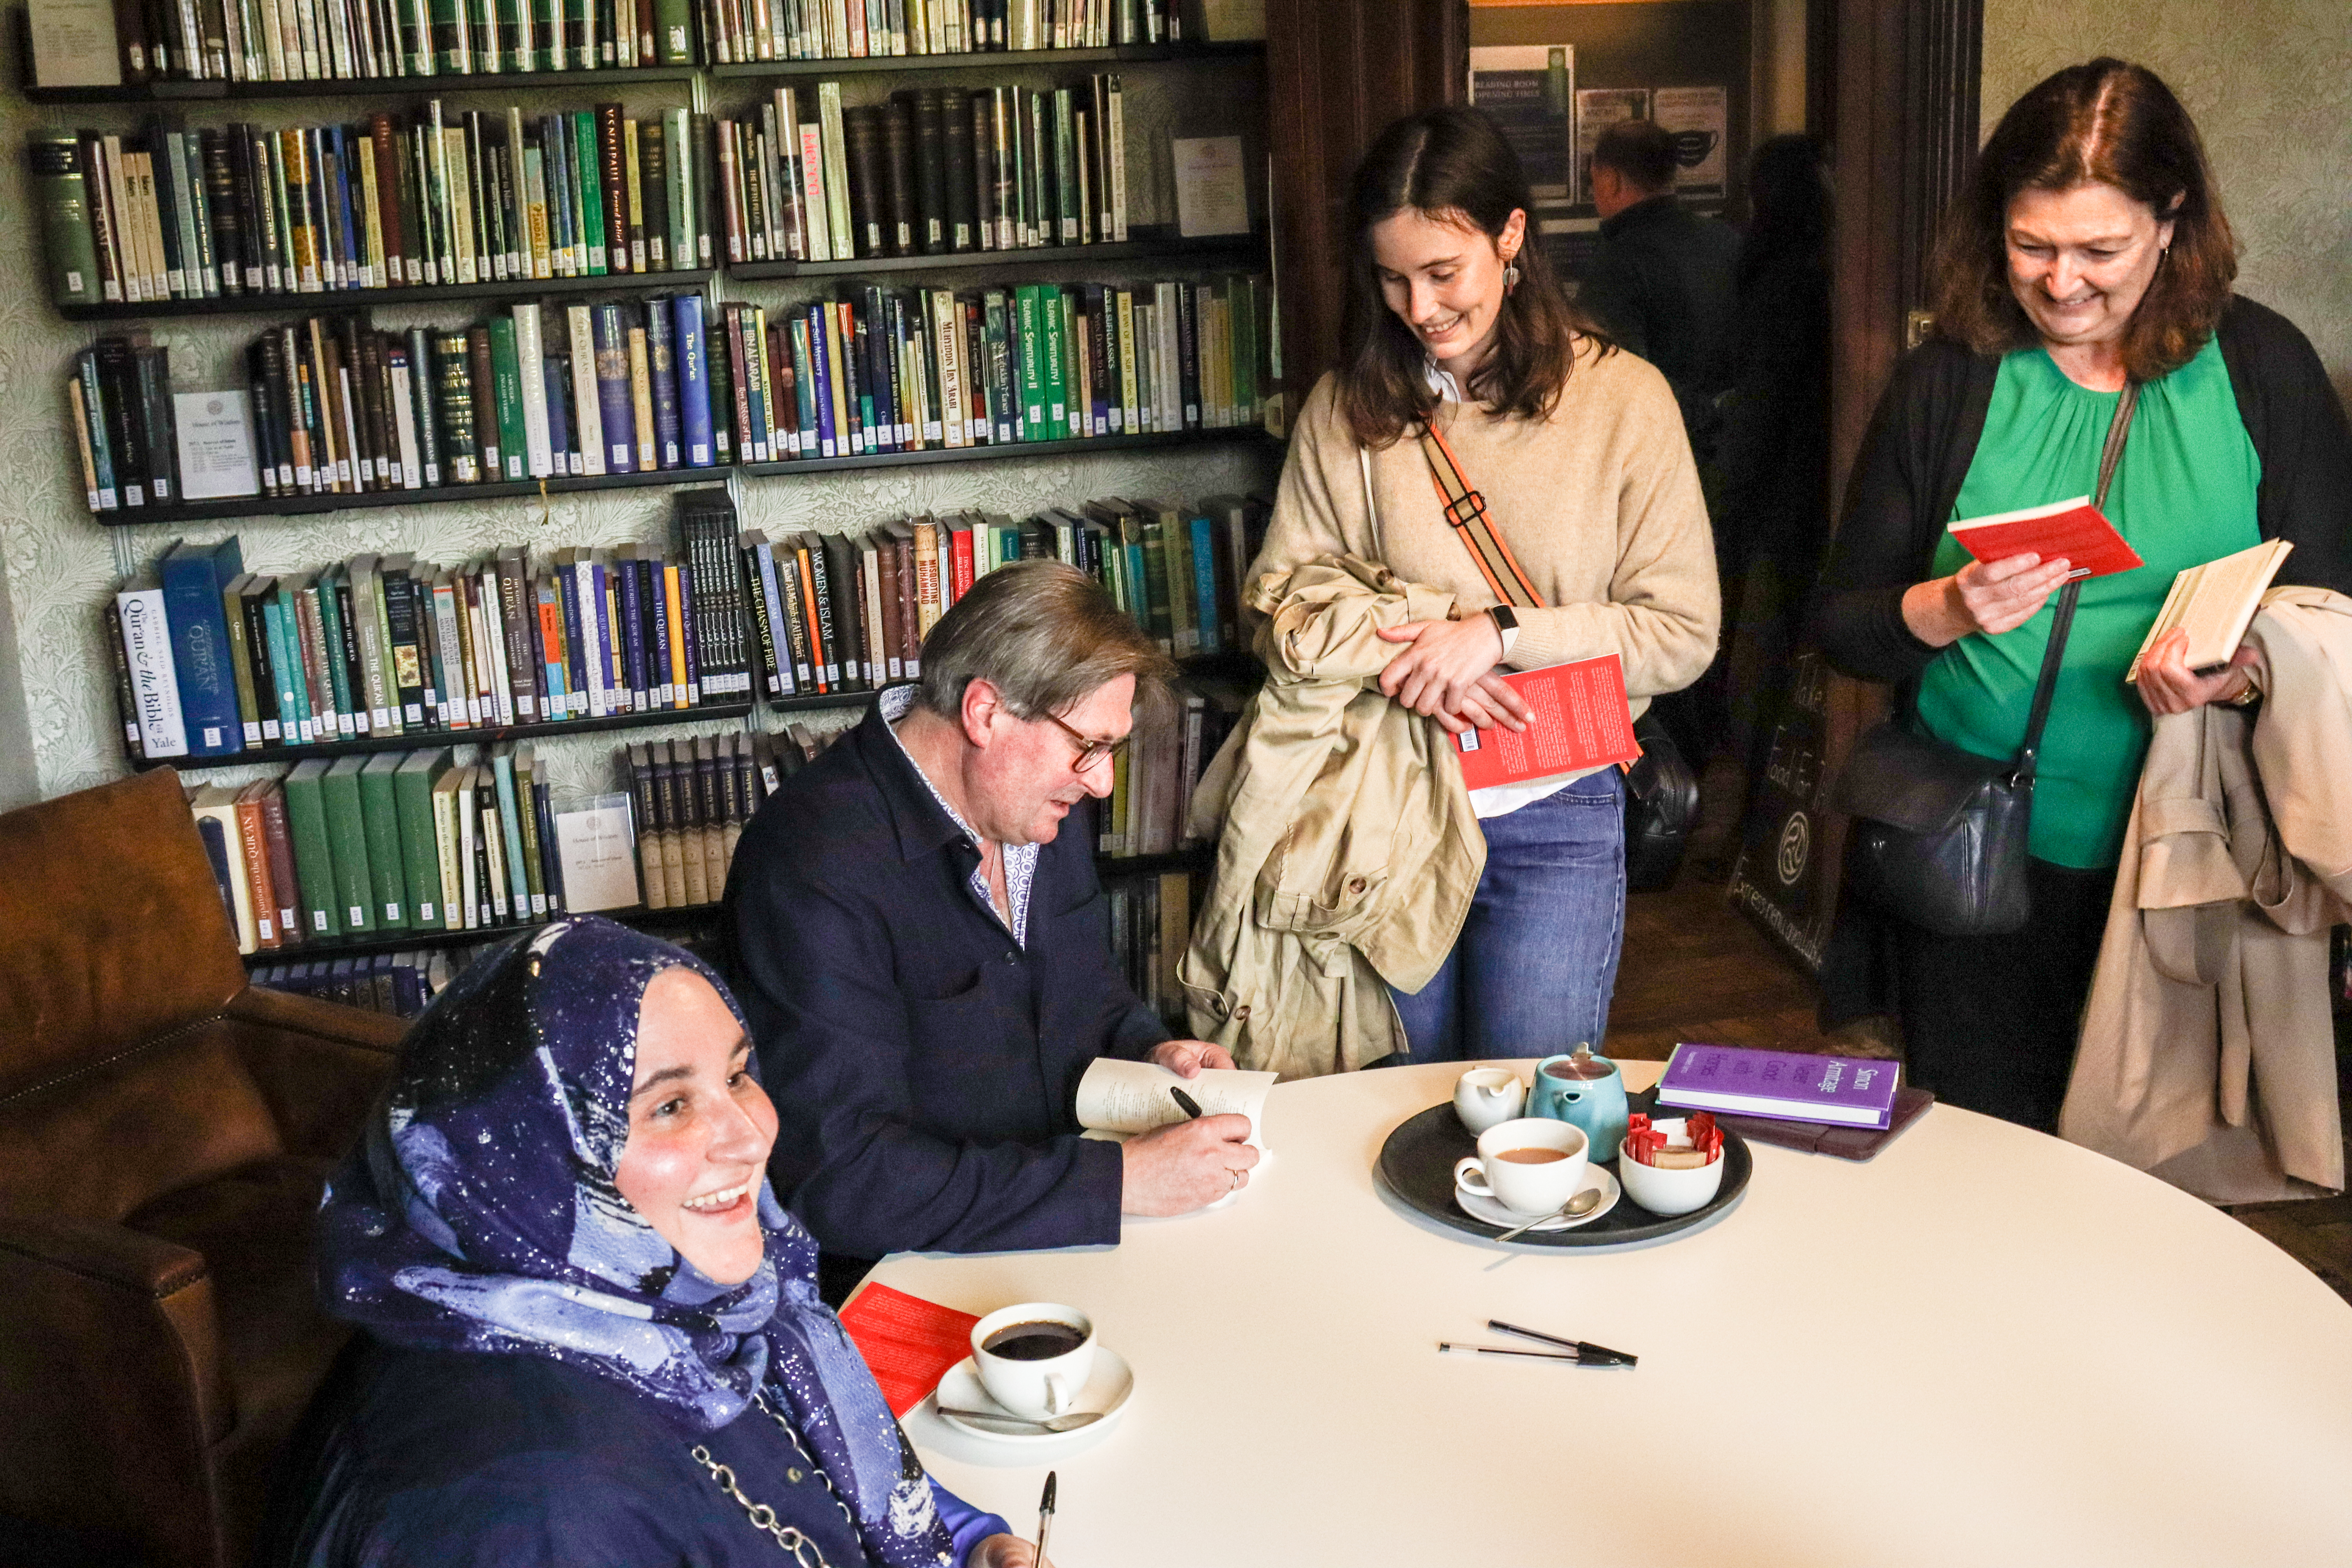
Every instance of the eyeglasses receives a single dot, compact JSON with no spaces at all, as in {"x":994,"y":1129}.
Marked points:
{"x":1090,"y":751}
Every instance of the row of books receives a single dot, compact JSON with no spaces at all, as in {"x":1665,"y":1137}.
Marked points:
{"x":690,"y":801}
{"x":423,"y":198}
{"x":1152,"y":790}
{"x":333,"y":406}
{"x":398,"y":984}
{"x":931,"y":172}
{"x":402,"y":841}
{"x":1151,"y":926}
{"x":353,"y":40}
{"x":211,"y":660}
{"x":903,"y":370}
{"x":740,"y":31}
{"x":346,"y":40}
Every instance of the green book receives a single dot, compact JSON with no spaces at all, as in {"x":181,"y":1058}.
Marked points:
{"x":346,"y":846}
{"x":286,"y":668}
{"x":61,"y":193}
{"x":1066,"y":169}
{"x":314,"y":862}
{"x":420,"y":853}
{"x":589,"y":187}
{"x":509,"y":20}
{"x":454,"y":59}
{"x":506,"y":378}
{"x":331,"y":626}
{"x":380,"y":819}
{"x":240,"y":657}
{"x":673,"y":32}
{"x":677,"y":152}
{"x":1055,"y":354}
{"x":1241,"y":304}
{"x":1032,"y":367}
{"x":510,"y":827}
{"x":1154,"y":537}
{"x":526,"y":783}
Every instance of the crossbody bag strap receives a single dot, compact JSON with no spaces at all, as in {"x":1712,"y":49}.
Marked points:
{"x":1465,"y":510}
{"x":2045,"y":687}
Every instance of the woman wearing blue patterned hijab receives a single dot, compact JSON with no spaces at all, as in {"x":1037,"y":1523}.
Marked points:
{"x":592,"y":1334}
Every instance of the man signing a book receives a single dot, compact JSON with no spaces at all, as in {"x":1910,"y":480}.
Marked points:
{"x":923,"y":952}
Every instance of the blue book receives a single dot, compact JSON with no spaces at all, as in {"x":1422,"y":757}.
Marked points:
{"x":1204,"y":581}
{"x":803,"y":388}
{"x":567,"y":588}
{"x":556,"y":370}
{"x":690,"y":346}
{"x":765,"y":554}
{"x":192,"y":578}
{"x":599,"y":617}
{"x":354,"y":240}
{"x":756,"y":404}
{"x":829,"y":443}
{"x":661,"y":370}
{"x":293,"y":705}
{"x":632,"y":630}
{"x":861,"y":387}
{"x":613,"y":399}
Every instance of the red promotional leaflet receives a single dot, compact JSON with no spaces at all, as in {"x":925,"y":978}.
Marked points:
{"x":909,"y":1343}
{"x":2074,"y":529}
{"x":1578,"y":719}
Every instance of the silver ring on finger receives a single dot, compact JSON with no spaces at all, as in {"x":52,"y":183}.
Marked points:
{"x":1234,"y":1172}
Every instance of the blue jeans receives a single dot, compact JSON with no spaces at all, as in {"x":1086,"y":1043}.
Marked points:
{"x":1532,"y":972}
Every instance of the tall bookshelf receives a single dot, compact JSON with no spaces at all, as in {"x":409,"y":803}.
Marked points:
{"x":1148,"y":248}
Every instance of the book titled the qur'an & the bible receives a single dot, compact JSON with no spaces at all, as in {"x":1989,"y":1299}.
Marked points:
{"x":1578,"y":717}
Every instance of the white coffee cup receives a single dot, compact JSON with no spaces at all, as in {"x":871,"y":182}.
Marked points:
{"x":1040,"y":1387}
{"x":1542,"y":1185}
{"x":1487,"y":1097}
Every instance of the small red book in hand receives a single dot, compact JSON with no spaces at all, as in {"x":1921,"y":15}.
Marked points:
{"x":1578,"y":717}
{"x":2074,"y":530}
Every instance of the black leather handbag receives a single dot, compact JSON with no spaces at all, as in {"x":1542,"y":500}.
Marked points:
{"x":1661,"y":809}
{"x":1940,"y":833}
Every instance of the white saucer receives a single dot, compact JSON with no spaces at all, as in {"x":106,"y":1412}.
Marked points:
{"x":1107,"y":1391}
{"x":1488,"y":1210}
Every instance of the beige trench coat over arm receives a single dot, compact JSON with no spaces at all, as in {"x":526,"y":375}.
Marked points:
{"x":1347,"y":848}
{"x":2207,"y":1052}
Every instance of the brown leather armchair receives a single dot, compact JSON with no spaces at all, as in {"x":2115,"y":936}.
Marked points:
{"x":164,"y":1131}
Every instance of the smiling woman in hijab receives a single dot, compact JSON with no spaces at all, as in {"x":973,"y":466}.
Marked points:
{"x":591,"y":1336}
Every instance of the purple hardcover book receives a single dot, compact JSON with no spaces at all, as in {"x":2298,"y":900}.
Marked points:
{"x":1786,"y":1086}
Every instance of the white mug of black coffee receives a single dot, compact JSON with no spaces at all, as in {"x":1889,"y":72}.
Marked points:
{"x":1033,"y":1359}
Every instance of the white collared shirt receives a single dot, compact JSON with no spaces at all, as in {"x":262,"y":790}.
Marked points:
{"x":1020,"y":859}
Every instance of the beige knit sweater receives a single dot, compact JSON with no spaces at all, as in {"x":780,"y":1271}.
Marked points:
{"x":1600,"y":503}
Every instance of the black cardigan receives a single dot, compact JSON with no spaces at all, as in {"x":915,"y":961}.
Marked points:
{"x":1925,"y":433}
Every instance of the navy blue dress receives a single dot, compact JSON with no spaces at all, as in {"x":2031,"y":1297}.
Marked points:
{"x":466,"y":1460}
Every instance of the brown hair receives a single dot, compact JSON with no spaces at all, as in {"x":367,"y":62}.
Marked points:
{"x":1641,"y":150}
{"x":1044,"y":635}
{"x":2109,"y":124}
{"x":1450,"y":165}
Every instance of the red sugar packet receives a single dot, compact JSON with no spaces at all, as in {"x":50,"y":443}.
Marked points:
{"x":909,"y":1342}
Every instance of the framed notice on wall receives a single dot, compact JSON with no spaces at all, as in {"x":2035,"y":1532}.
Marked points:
{"x":1699,"y":120}
{"x":1529,"y":89}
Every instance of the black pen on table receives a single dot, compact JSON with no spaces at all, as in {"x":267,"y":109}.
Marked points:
{"x":1044,"y":1518}
{"x":1589,"y":1353}
{"x":1187,"y":1104}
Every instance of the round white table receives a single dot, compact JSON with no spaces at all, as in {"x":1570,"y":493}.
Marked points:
{"x":1985,"y":1346}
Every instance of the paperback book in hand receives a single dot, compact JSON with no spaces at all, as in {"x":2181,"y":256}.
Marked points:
{"x":1578,"y":719}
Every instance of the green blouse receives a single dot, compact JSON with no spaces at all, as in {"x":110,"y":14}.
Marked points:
{"x":2183,"y":494}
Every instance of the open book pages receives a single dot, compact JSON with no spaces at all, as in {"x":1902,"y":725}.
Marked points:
{"x":2216,"y":602}
{"x":1123,"y":1098}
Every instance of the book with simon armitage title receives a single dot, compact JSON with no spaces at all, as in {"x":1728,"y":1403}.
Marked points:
{"x":1785,"y":1086}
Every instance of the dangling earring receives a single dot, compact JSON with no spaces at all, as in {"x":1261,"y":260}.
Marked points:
{"x":1510,"y":276}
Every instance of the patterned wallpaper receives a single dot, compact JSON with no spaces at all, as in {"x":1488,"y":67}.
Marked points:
{"x":2269,"y":83}
{"x":60,"y":567}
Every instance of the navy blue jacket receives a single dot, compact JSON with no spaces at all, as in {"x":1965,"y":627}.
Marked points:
{"x":464,"y":1460}
{"x":925,"y":1069}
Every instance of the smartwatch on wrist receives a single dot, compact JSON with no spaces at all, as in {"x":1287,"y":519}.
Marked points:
{"x":1506,"y":620}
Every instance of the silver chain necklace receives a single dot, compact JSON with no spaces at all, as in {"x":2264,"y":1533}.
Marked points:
{"x":804,"y":1550}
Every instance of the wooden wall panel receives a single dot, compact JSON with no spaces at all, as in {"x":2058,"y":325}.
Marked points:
{"x":1337,"y":71}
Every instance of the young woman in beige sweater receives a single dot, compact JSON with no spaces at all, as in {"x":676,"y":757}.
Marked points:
{"x":1453,"y":321}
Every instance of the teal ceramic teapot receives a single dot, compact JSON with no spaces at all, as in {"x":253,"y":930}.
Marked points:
{"x":1585,"y":1090}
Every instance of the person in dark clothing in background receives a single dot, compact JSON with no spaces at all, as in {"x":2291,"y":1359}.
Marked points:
{"x":1772,"y":446}
{"x":924,"y":955}
{"x":1661,"y":284}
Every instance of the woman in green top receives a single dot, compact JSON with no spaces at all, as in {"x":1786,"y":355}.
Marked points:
{"x":2091,"y":250}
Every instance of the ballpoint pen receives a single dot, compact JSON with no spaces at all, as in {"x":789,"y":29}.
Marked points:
{"x":1044,"y":1518}
{"x":1590,"y":1355}
{"x":1187,"y":1104}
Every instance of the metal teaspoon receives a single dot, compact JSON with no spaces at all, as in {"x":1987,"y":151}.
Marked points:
{"x":1583,"y":1203}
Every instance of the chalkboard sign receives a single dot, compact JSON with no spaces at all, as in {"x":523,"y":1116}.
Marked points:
{"x":1783,"y":880}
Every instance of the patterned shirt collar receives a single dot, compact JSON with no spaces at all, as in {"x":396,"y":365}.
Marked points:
{"x":1020,"y":859}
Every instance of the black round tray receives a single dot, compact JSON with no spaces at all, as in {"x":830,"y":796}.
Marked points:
{"x":1417,"y":1163}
